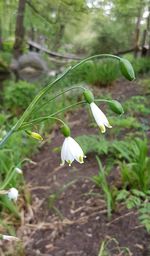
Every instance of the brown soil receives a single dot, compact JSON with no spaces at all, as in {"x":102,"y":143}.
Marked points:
{"x":68,"y":214}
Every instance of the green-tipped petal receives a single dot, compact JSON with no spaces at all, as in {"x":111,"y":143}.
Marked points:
{"x":102,"y":128}
{"x":81,"y":160}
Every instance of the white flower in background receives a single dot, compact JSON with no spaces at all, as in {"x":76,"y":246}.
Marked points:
{"x":18,"y":170}
{"x":99,"y":117}
{"x":13,"y":194}
{"x":71,"y":151}
{"x":9,"y":238}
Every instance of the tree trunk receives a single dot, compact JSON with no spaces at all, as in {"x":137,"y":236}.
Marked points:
{"x":148,"y":31}
{"x":58,"y":38}
{"x":137,"y":30}
{"x":1,"y":40}
{"x":20,"y":31}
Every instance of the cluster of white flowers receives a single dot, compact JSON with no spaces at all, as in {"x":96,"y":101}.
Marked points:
{"x":71,"y":150}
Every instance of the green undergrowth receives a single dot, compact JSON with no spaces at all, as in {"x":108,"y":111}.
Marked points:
{"x":125,"y":128}
{"x":20,"y":147}
{"x":130,"y":159}
{"x":99,"y":73}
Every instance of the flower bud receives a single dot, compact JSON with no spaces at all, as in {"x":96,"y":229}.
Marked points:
{"x":65,"y":130}
{"x":126,"y":69}
{"x":116,"y":107}
{"x":88,"y":95}
{"x":34,"y":135}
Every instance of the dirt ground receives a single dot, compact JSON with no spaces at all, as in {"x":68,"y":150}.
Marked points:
{"x":68,"y":215}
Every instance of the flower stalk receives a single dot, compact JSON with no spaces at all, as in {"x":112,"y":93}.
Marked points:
{"x":45,"y":90}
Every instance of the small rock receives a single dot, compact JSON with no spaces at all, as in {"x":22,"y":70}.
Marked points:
{"x":89,"y":235}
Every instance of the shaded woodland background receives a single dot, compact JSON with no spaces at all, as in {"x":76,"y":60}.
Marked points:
{"x":100,"y":208}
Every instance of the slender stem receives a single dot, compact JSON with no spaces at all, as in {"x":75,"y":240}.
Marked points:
{"x":4,"y":140}
{"x":41,"y":119}
{"x":94,"y":57}
{"x":37,"y":98}
{"x":58,"y":119}
{"x":102,"y":100}
{"x":56,"y":96}
{"x":8,"y":179}
{"x":70,"y":106}
{"x":30,"y":108}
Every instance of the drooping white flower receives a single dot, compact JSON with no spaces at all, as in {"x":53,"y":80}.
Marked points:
{"x":18,"y":170}
{"x":9,"y":238}
{"x":99,"y":117}
{"x":13,"y":194}
{"x":71,"y":151}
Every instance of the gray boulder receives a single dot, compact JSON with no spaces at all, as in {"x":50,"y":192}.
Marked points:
{"x":30,"y":67}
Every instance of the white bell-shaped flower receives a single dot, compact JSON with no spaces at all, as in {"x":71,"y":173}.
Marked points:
{"x":18,"y":170}
{"x":99,"y":117}
{"x":71,"y":151}
{"x":13,"y":194}
{"x":9,"y":238}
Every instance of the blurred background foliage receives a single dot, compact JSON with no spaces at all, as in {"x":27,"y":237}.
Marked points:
{"x":58,"y":33}
{"x":82,"y":26}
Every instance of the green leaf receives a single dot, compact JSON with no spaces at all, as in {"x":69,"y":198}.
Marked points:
{"x":122,"y":195}
{"x":138,"y":193}
{"x":132,"y":202}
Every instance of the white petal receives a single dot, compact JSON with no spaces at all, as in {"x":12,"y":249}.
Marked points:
{"x":99,"y":117}
{"x":10,"y":238}
{"x":18,"y":170}
{"x":76,"y":150}
{"x":63,"y":150}
{"x":66,"y":154}
{"x":13,"y":194}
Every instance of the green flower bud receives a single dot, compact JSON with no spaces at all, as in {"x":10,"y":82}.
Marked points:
{"x":116,"y":107}
{"x":34,"y":135}
{"x":88,"y":95}
{"x":126,"y":69}
{"x":65,"y":130}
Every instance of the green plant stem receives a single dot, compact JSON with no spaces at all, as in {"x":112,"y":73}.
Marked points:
{"x":38,"y":97}
{"x":94,"y":57}
{"x":8,"y":179}
{"x":4,"y":140}
{"x":102,"y":248}
{"x":56,"y":96}
{"x":41,"y":119}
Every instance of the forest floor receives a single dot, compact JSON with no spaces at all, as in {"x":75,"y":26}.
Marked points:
{"x":68,"y":216}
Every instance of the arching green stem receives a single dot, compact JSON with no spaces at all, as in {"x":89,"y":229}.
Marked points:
{"x":59,"y":94}
{"x":43,"y":92}
{"x":44,"y":118}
